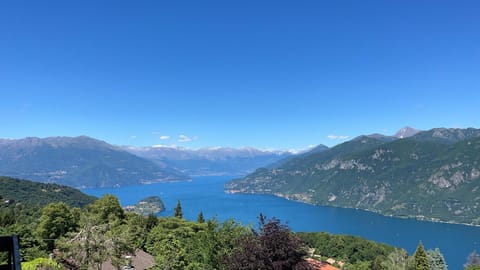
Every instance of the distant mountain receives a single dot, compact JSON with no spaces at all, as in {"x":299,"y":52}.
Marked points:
{"x":210,"y":161}
{"x":406,"y":132}
{"x":447,"y":135}
{"x":78,"y":162}
{"x":432,"y":175}
{"x":381,"y":137}
{"x":317,"y":149}
{"x":13,"y":191}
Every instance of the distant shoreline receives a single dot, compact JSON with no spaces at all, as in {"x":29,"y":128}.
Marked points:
{"x":289,"y":198}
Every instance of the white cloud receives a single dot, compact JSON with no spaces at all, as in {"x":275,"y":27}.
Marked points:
{"x":164,"y":137}
{"x":164,"y":146}
{"x":185,"y":138}
{"x":337,"y":137}
{"x":133,"y":137}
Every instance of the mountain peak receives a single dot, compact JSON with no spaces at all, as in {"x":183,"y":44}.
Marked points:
{"x":406,"y":132}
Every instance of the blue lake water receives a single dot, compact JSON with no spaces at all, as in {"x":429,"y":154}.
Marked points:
{"x":206,"y":194}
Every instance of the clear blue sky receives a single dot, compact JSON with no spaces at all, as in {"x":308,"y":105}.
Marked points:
{"x":269,"y":74}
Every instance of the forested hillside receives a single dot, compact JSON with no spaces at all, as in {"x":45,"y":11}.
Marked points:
{"x":432,"y":175}
{"x":40,"y":194}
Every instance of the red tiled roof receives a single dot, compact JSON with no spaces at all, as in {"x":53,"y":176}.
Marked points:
{"x":318,"y":265}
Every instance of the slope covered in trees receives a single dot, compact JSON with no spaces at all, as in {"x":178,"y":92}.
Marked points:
{"x":40,"y":194}
{"x":432,"y":175}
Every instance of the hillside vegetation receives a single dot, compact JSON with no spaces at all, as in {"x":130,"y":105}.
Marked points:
{"x":40,"y":194}
{"x":432,"y":175}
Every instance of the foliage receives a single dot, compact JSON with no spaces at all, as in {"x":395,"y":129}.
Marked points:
{"x":180,"y":244}
{"x":397,"y":260}
{"x":274,"y":246}
{"x":56,"y":220}
{"x":41,"y":263}
{"x":347,"y":248}
{"x":106,"y":209}
{"x":365,"y":265}
{"x":40,"y":194}
{"x":421,"y":260}
{"x":436,"y":260}
{"x":200,"y":218}
{"x":103,"y":235}
{"x":178,"y":210}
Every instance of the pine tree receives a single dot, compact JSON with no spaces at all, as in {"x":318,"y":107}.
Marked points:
{"x":178,"y":210}
{"x":436,"y":260}
{"x":421,"y":260}
{"x":200,"y":218}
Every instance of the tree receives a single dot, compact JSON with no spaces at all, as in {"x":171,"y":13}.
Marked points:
{"x":173,"y":243}
{"x":178,"y":210}
{"x":397,"y":260}
{"x":106,"y":209}
{"x":200,"y":218}
{"x":56,"y":220}
{"x":473,"y":260}
{"x":436,"y":260}
{"x":421,"y":260}
{"x":41,"y":263}
{"x":274,"y":246}
{"x":94,"y":244}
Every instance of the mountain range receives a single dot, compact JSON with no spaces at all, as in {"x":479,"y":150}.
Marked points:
{"x":78,"y":162}
{"x":210,"y":161}
{"x":87,"y":162}
{"x":432,"y":175}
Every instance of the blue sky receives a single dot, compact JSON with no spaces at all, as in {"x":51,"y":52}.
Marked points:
{"x":268,"y":74}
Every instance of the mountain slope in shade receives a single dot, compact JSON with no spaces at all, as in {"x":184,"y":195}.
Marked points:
{"x":210,"y":161}
{"x":40,"y":194}
{"x":419,"y":176}
{"x":78,"y":162}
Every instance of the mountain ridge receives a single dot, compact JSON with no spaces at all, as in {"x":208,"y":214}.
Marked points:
{"x":410,"y":177}
{"x":79,"y":162}
{"x":210,"y":161}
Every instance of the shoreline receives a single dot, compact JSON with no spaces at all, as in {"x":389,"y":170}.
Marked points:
{"x":289,"y":198}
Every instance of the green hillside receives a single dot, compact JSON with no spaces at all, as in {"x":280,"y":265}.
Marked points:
{"x":148,"y":206}
{"x":40,"y":194}
{"x":433,"y":175}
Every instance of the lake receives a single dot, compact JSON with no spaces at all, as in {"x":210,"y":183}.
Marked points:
{"x":206,"y":194}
